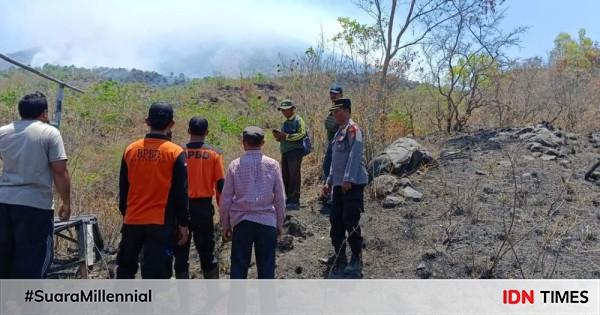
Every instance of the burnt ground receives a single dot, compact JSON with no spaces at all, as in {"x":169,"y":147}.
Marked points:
{"x":491,"y":209}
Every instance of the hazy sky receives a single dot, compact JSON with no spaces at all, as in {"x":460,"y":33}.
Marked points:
{"x":223,"y":36}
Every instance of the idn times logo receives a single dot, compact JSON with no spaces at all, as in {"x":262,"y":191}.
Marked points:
{"x":514,"y":296}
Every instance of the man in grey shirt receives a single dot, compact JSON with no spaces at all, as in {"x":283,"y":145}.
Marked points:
{"x":347,"y":178}
{"x":33,"y":157}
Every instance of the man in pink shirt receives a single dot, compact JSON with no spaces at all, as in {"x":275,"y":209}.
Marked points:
{"x":253,"y":208}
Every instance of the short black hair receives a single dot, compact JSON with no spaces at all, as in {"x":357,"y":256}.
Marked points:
{"x":31,"y":106}
{"x":253,"y":141}
{"x":198,"y":126}
{"x":160,"y":115}
{"x":158,"y":124}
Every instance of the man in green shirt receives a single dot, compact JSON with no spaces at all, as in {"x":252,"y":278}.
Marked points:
{"x":290,"y":137}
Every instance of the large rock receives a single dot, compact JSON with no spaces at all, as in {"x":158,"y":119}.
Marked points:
{"x":544,"y":137}
{"x":535,"y":147}
{"x":294,"y":227}
{"x":403,"y":182}
{"x":555,"y":152}
{"x":285,"y":243}
{"x":403,"y":157}
{"x":424,"y":271}
{"x":392,"y":202}
{"x":594,"y":137}
{"x":410,"y":194}
{"x":384,"y":185}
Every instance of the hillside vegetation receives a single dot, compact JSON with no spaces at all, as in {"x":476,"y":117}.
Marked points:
{"x":477,"y":91}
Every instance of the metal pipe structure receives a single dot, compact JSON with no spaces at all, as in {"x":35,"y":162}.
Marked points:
{"x":61,"y":86}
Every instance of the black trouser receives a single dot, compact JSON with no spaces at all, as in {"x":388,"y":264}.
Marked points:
{"x":327,"y":161}
{"x":291,"y":166}
{"x":202,"y":230}
{"x":264,"y":239}
{"x":26,"y":242}
{"x":345,"y":217}
{"x":157,"y":243}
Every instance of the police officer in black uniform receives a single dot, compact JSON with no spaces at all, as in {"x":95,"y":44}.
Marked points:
{"x":347,"y":179}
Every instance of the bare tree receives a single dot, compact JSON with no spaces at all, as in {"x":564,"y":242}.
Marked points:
{"x":463,"y":55}
{"x":401,"y":25}
{"x":397,"y":31}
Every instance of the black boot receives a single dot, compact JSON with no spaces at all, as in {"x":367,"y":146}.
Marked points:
{"x":326,"y":207}
{"x":212,"y":274}
{"x":355,"y":266}
{"x":182,"y":275}
{"x":338,"y":265}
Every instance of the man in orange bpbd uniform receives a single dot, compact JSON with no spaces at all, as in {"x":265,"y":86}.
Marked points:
{"x":206,"y":179}
{"x":153,"y":191}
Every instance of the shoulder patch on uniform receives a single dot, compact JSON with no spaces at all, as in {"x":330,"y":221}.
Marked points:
{"x":352,"y":131}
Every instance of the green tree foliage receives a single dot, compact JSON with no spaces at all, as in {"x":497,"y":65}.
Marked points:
{"x":572,"y":55}
{"x":359,"y":42}
{"x":572,"y":62}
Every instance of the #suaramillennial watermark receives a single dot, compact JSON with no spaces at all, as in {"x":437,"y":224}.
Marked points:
{"x":88,"y":296}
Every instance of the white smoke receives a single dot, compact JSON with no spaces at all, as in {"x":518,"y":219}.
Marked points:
{"x":190,"y":36}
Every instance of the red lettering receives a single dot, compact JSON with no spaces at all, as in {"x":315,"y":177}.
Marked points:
{"x":527,"y":297}
{"x":518,"y":297}
{"x":514,"y":296}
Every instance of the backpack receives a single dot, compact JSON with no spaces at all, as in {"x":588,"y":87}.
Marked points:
{"x":307,"y":143}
